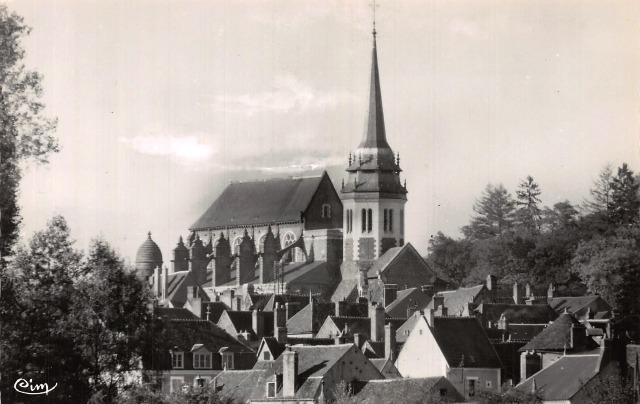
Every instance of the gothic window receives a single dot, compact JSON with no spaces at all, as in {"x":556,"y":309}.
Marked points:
{"x":236,"y":245}
{"x":261,"y":243}
{"x":390,"y":220}
{"x":326,"y":211}
{"x":289,"y":239}
{"x":369,"y":220}
{"x":350,"y":220}
{"x":364,"y":220}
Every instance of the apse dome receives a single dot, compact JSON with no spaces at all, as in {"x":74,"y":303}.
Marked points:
{"x":148,"y":257}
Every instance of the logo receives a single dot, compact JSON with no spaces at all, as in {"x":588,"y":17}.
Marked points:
{"x":27,"y":387}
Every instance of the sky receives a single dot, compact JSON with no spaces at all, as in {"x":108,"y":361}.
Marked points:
{"x":161,"y":103}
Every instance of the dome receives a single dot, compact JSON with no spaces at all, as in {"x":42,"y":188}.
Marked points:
{"x":148,"y":256}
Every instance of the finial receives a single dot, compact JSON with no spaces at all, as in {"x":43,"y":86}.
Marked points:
{"x":149,"y":235}
{"x":349,"y":158}
{"x":180,"y":241}
{"x":398,"y":158}
{"x":374,"y":6}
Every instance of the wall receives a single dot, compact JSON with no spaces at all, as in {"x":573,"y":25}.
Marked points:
{"x":352,"y":366}
{"x":325,"y":194}
{"x":459,"y":376}
{"x":421,"y":356}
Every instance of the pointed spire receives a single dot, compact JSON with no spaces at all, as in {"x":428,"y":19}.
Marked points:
{"x":375,"y":134}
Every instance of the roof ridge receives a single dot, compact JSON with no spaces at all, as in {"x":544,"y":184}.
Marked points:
{"x":350,"y":317}
{"x":290,"y":177}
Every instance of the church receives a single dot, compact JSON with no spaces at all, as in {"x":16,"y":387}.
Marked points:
{"x":300,"y":235}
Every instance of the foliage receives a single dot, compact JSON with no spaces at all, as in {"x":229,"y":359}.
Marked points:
{"x":494,"y":214}
{"x":25,"y":133}
{"x":81,"y":323}
{"x":510,"y":395}
{"x":624,"y":205}
{"x":529,"y":214}
{"x":608,"y":389}
{"x":144,"y":393}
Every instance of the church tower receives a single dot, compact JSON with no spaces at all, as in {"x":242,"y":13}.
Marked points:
{"x":373,"y":197}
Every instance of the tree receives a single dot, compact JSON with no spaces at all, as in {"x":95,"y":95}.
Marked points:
{"x":529,"y":213}
{"x":624,"y":204}
{"x":111,"y":318}
{"x":494,"y":211}
{"x":510,"y":395}
{"x":451,"y":258}
{"x":35,"y":305}
{"x":25,"y":133}
{"x":600,"y":193}
{"x":563,"y":216}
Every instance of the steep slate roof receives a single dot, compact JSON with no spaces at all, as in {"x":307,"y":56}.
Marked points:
{"x":243,"y":321}
{"x":360,"y":325}
{"x":384,"y":260}
{"x":456,"y":300}
{"x":177,"y":285}
{"x":186,"y":333}
{"x":260,"y":202}
{"x":274,"y":346}
{"x":404,"y":390}
{"x":571,"y":304}
{"x":562,"y":379}
{"x":517,"y":313}
{"x":463,"y":338}
{"x":312,"y":272}
{"x":347,"y":290}
{"x":242,"y":385}
{"x":557,"y":337}
{"x":215,"y":310}
{"x":405,"y":298}
{"x":310,"y":318}
{"x":386,"y":367}
{"x":525,"y":332}
{"x":170,"y":313}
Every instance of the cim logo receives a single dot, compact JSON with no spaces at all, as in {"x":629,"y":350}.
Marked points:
{"x":27,"y":387}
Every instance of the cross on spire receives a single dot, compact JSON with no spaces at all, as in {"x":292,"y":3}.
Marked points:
{"x":374,"y":6}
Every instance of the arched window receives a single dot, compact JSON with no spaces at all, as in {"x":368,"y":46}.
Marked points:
{"x":261,"y":243}
{"x":326,"y":211}
{"x":369,"y":220}
{"x":364,"y":220}
{"x":236,"y":245}
{"x":289,"y":238}
{"x":390,"y":220}
{"x":386,"y":220}
{"x":349,"y":221}
{"x":401,"y":221}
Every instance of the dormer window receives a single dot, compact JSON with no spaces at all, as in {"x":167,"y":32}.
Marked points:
{"x":227,"y":360}
{"x":326,"y":211}
{"x":177,"y":360}
{"x":202,"y":360}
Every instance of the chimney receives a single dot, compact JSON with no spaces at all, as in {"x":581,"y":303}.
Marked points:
{"x":156,"y":282}
{"x":358,"y":339}
{"x":432,"y":315}
{"x":289,"y":372}
{"x":550,"y":291}
{"x":281,"y":335}
{"x":390,"y":293}
{"x":517,"y":294}
{"x":257,"y":323}
{"x":491,"y":282}
{"x":503,"y":323}
{"x":412,"y":308}
{"x":389,"y":341}
{"x":165,"y":282}
{"x":376,"y":314}
{"x":527,"y":290}
{"x":341,"y":308}
{"x":442,"y":311}
{"x":438,"y":300}
{"x":280,"y":323}
{"x":291,"y":309}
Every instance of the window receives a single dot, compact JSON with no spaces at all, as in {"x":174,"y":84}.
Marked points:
{"x":401,"y":221}
{"x":202,"y":361}
{"x":236,"y":245}
{"x":386,"y":220}
{"x":261,"y":243}
{"x":369,"y":220}
{"x":177,"y":360}
{"x":471,"y":387}
{"x":289,"y":239}
{"x":364,"y":220}
{"x":390,"y":220}
{"x":271,"y":390}
{"x":199,"y":382}
{"x":266,"y":356}
{"x":443,"y":392}
{"x":488,"y":384}
{"x":326,"y":211}
{"x":176,"y":383}
{"x":349,"y":220}
{"x":227,"y":360}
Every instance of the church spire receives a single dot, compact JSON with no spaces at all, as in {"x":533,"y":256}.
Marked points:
{"x":375,"y":135}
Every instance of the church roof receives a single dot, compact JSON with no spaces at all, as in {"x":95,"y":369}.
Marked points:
{"x":375,"y":135}
{"x":260,"y":202}
{"x":149,"y":252}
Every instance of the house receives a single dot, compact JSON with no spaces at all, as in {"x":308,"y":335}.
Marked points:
{"x":307,"y":321}
{"x":566,"y":335}
{"x":270,"y":348}
{"x":453,"y":347}
{"x":406,"y":391}
{"x":462,"y":301}
{"x":194,"y":351}
{"x":582,"y":307}
{"x":501,"y":315}
{"x":386,"y":367}
{"x":572,"y":379}
{"x":407,"y":302}
{"x":248,"y":326}
{"x":301,"y":374}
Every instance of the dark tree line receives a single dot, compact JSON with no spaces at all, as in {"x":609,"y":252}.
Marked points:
{"x":591,"y":248}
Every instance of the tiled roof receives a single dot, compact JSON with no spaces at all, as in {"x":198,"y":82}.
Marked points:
{"x":557,"y":336}
{"x":404,"y":390}
{"x":169,"y":313}
{"x":310,"y":318}
{"x":525,"y":332}
{"x":386,"y":367}
{"x":314,"y":361}
{"x":303,"y":272}
{"x":360,"y":325}
{"x":384,"y":260}
{"x":571,"y":304}
{"x":215,"y":310}
{"x":407,"y":298}
{"x":373,"y":349}
{"x":463,"y":340}
{"x":274,"y":346}
{"x":260,"y":202}
{"x":562,"y":379}
{"x":184,"y":334}
{"x":177,"y":285}
{"x":243,"y":321}
{"x":517,"y":313}
{"x":242,"y":385}
{"x":149,"y":252}
{"x":456,"y":300}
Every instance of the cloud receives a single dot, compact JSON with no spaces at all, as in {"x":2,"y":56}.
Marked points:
{"x":185,"y":149}
{"x":289,"y":94}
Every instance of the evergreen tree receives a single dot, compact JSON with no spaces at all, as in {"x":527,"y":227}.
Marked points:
{"x":624,"y":204}
{"x":600,"y":193}
{"x":529,"y":214}
{"x":494,"y":214}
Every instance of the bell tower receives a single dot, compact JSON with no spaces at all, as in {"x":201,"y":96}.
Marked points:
{"x":373,"y":197}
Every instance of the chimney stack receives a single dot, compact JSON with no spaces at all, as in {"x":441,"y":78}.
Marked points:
{"x":280,"y":323}
{"x":376,"y":314}
{"x":358,"y":339}
{"x":291,"y":308}
{"x":389,"y":341}
{"x":527,"y":290}
{"x":341,"y":308}
{"x":289,"y":372}
{"x":438,"y":300}
{"x":491,"y":282}
{"x":257,"y":323}
{"x":517,"y":294}
{"x":156,"y":281}
{"x":550,"y":291}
